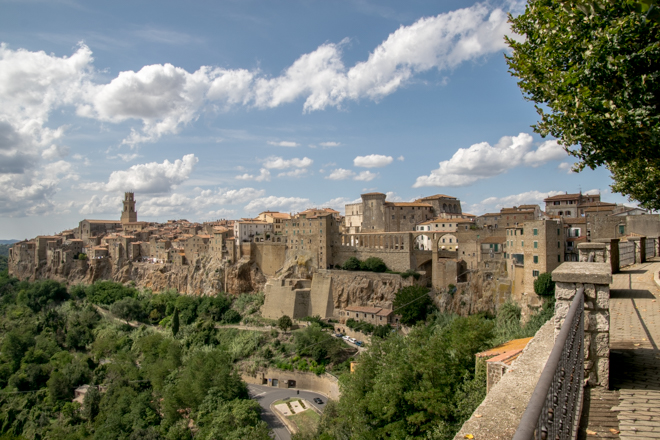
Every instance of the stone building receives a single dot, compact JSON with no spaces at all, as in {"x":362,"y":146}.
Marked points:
{"x":569,"y":205}
{"x":312,"y":233}
{"x":379,"y":215}
{"x":372,"y":315}
{"x":353,"y":218}
{"x":247,"y":230}
{"x":533,"y":248}
{"x":129,"y":214}
{"x":276,"y":219}
{"x":88,"y":229}
{"x":439,"y":224}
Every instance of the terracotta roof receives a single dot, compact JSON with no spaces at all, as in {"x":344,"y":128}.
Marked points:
{"x":515,"y":344}
{"x":408,"y":204}
{"x":516,"y":211}
{"x":594,"y":204}
{"x":372,"y":194}
{"x":102,"y":221}
{"x":438,"y":196}
{"x":529,"y":206}
{"x":465,"y":214}
{"x":563,"y":197}
{"x":372,"y":310}
{"x":461,"y":220}
{"x":490,"y":214}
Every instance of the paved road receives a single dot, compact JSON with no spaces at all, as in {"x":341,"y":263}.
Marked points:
{"x":266,"y":395}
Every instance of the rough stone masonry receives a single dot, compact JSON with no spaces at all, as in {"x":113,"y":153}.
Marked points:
{"x":596,"y":279}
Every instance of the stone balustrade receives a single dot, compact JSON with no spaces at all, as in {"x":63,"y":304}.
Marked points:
{"x":596,"y":279}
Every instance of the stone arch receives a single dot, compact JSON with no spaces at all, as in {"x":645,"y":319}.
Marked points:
{"x":444,"y":207}
{"x":447,"y":242}
{"x":423,"y":242}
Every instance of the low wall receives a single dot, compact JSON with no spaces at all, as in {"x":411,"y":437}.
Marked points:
{"x":324,"y":384}
{"x":343,"y":328}
{"x":395,"y":259}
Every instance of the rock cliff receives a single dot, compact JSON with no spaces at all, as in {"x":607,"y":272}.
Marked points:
{"x":205,"y":276}
{"x":365,"y":288}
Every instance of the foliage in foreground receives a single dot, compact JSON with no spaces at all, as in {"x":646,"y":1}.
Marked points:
{"x":592,"y":68}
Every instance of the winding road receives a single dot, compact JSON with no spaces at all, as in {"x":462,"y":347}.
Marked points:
{"x":266,"y":395}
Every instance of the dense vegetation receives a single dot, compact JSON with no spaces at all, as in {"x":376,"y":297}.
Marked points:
{"x":145,"y":384}
{"x":371,"y":264}
{"x":592,"y":69}
{"x":423,"y":385}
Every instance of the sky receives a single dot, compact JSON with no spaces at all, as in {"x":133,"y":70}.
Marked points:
{"x":223,"y":109}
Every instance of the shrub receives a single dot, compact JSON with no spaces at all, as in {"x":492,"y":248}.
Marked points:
{"x":413,"y":304}
{"x":352,"y":264}
{"x":231,"y":316}
{"x":411,"y":273}
{"x":373,"y":264}
{"x":544,"y":285}
{"x":284,"y":323}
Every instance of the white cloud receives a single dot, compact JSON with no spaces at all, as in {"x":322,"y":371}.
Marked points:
{"x":340,"y":174}
{"x":482,"y":160}
{"x":372,"y":161}
{"x":277,"y":204}
{"x":566,"y":167}
{"x":264,"y":176}
{"x":165,"y":98}
{"x":152,"y":177}
{"x":492,"y":204}
{"x":279,"y":163}
{"x":401,"y":158}
{"x":284,"y":144}
{"x":207,"y":204}
{"x":105,"y":204}
{"x":55,"y":152}
{"x":366,"y":176}
{"x":329,"y":144}
{"x":298,"y":172}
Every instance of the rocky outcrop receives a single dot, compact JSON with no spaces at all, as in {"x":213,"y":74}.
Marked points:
{"x":205,"y":276}
{"x":365,"y":288}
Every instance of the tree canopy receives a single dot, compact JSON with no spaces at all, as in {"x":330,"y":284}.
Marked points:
{"x":592,"y":68}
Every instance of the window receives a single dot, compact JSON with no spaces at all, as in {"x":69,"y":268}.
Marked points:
{"x":536,"y":259}
{"x":558,"y":258}
{"x":622,"y":229}
{"x":536,"y":231}
{"x":522,"y":243}
{"x":558,"y":231}
{"x":558,"y":245}
{"x":522,"y":232}
{"x":535,"y":273}
{"x":536,"y":245}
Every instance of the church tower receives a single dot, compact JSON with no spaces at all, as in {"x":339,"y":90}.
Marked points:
{"x":129,"y":214}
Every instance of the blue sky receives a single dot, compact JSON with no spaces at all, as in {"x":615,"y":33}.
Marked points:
{"x":223,"y":109}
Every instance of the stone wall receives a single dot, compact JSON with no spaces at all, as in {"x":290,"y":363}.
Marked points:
{"x":397,"y":260}
{"x":358,"y":288}
{"x":325,"y":384}
{"x":596,"y":279}
{"x":269,"y":257}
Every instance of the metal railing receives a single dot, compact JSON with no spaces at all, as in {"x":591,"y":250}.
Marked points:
{"x":651,"y":246}
{"x":626,"y":253}
{"x":553,"y":412}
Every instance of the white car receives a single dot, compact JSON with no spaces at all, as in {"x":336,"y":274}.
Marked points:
{"x":345,"y":338}
{"x":352,"y":340}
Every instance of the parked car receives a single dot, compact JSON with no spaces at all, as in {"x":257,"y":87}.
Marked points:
{"x":346,"y":338}
{"x":351,"y":340}
{"x":358,"y":343}
{"x":318,"y":401}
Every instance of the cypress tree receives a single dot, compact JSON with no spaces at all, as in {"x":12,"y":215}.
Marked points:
{"x":175,"y":322}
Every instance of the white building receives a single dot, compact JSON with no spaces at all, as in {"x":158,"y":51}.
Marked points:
{"x":245,"y":230}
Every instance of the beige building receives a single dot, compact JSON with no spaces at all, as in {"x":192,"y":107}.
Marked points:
{"x":569,"y":205}
{"x":531,"y":249}
{"x":353,"y":218}
{"x":247,"y":230}
{"x":312,"y":232}
{"x":129,"y":214}
{"x":274,"y":218}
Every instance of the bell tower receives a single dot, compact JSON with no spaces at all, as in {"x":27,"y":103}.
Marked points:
{"x":129,"y":214}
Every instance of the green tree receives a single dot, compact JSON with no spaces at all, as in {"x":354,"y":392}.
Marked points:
{"x":351,"y":264}
{"x":90,"y":407}
{"x":284,"y":323}
{"x":413,"y":304}
{"x":128,"y":309}
{"x":373,"y":264}
{"x":592,"y":68}
{"x":175,"y":322}
{"x":231,"y":316}
{"x":543,"y":285}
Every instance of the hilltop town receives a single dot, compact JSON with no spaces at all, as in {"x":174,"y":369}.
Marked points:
{"x":296,"y":258}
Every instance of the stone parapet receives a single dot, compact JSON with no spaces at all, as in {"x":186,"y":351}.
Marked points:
{"x":612,"y":248}
{"x":596,"y":279}
{"x":640,"y":248}
{"x":596,"y":251}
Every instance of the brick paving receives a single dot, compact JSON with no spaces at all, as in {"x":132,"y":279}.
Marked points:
{"x":634,"y":357}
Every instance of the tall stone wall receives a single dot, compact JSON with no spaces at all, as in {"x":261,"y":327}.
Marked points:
{"x":324,"y":384}
{"x":321,"y":296}
{"x":397,"y":260}
{"x":269,"y":257}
